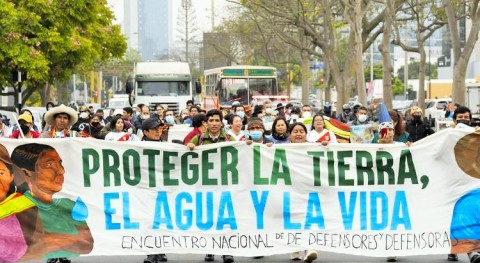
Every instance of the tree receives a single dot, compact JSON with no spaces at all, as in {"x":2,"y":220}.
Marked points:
{"x":427,"y":19}
{"x":413,"y":70}
{"x":52,"y":39}
{"x":321,"y":21}
{"x":187,"y":28}
{"x":455,"y":10}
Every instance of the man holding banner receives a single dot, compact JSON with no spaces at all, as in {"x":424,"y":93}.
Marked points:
{"x":213,"y":134}
{"x":152,"y":130}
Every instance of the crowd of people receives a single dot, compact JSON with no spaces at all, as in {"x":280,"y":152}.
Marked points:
{"x":264,"y":123}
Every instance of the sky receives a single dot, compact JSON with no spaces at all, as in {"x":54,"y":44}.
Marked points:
{"x":203,"y":10}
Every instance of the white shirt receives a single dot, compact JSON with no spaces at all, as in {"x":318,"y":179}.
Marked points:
{"x":313,"y":136}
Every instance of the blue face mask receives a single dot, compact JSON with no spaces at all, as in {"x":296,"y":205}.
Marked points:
{"x":256,"y":135}
{"x":169,"y":119}
{"x":241,"y":114}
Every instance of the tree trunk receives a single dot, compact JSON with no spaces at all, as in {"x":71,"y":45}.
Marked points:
{"x":421,"y":74}
{"x":360,"y":77}
{"x":386,"y":59}
{"x":305,"y":77}
{"x":461,"y":56}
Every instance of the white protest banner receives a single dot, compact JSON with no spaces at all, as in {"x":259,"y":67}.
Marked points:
{"x":137,"y":198}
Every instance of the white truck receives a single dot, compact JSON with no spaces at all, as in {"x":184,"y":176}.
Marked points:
{"x":161,"y":82}
{"x":472,"y":99}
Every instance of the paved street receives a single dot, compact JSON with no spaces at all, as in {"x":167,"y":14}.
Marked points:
{"x":324,"y":258}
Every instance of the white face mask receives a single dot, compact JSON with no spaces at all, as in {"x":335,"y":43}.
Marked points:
{"x":307,"y":114}
{"x":294,"y":116}
{"x":84,"y":115}
{"x":362,"y":118}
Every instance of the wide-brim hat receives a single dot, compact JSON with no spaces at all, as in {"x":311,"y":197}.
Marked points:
{"x":247,"y":108}
{"x":50,"y":115}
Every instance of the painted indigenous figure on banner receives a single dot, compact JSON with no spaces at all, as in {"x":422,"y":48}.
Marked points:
{"x":465,"y":226}
{"x":66,"y":232}
{"x":21,"y":236}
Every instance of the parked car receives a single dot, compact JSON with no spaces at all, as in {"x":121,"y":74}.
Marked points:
{"x":435,"y":109}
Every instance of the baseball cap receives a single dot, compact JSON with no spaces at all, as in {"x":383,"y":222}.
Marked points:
{"x":25,"y":117}
{"x":151,"y":123}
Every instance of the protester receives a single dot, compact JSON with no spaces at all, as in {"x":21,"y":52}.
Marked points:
{"x":60,"y":119}
{"x":279,"y":132}
{"x":152,"y":131}
{"x":4,"y":129}
{"x":256,"y":132}
{"x":235,"y":130}
{"x":416,"y":127}
{"x":298,"y":134}
{"x":213,"y":134}
{"x":399,"y":125}
{"x":82,"y":126}
{"x":96,"y":126}
{"x":119,"y":131}
{"x":26,"y":128}
{"x":199,"y":124}
{"x":318,"y":133}
{"x":49,"y":105}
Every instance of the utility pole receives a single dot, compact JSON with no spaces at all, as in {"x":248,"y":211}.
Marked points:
{"x":213,"y":14}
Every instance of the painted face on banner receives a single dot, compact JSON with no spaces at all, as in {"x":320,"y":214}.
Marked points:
{"x":6,"y":179}
{"x":467,"y":154}
{"x":49,"y":172}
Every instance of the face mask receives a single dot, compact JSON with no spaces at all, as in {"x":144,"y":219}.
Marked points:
{"x":25,"y":129}
{"x":280,"y":136}
{"x":417,"y":118}
{"x":84,"y":115}
{"x":256,"y":135}
{"x":169,"y":119}
{"x":144,"y":117}
{"x":362,"y":118}
{"x":267,"y":119}
{"x":466,"y":122}
{"x":241,"y":114}
{"x":268,"y":111}
{"x":307,"y":114}
{"x":294,"y":116}
{"x":95,"y":124}
{"x":184,"y":116}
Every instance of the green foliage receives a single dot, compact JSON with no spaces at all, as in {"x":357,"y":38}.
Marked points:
{"x":413,"y":71}
{"x":397,"y":86}
{"x":52,"y":39}
{"x":35,"y":100}
{"x":377,"y":72}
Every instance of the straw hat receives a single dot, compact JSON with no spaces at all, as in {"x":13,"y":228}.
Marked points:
{"x":50,"y":115}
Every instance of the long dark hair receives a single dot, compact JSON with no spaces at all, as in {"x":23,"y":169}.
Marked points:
{"x":312,"y":127}
{"x":274,"y":129}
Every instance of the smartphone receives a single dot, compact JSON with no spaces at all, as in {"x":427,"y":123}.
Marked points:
{"x":383,"y":132}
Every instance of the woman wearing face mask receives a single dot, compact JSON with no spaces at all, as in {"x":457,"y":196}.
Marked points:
{"x":416,"y":127}
{"x":298,"y":134}
{"x":256,"y":132}
{"x":25,"y":130}
{"x":96,"y":126}
{"x":318,"y":132}
{"x":240,"y":111}
{"x":279,"y":131}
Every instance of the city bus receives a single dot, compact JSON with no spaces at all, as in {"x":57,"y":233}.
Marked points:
{"x":245,"y":84}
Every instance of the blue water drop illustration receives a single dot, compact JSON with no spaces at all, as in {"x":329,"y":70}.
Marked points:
{"x":80,"y":210}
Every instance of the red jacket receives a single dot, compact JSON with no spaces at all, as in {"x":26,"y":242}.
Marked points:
{"x":16,"y":134}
